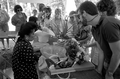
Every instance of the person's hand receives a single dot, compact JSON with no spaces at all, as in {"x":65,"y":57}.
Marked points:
{"x":108,"y":76}
{"x":87,"y":27}
{"x":86,"y":46}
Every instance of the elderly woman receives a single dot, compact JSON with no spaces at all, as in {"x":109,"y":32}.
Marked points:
{"x":24,"y":60}
{"x":19,"y":18}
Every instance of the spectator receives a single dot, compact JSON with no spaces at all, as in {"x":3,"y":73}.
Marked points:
{"x":46,"y":17}
{"x":34,"y":13}
{"x":24,"y":59}
{"x":73,"y":25}
{"x":4,"y":26}
{"x":40,"y":19}
{"x":19,"y":18}
{"x":105,"y":30}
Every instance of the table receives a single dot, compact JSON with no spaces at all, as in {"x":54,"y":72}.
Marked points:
{"x":10,"y":35}
{"x":83,"y":71}
{"x":83,"y":74}
{"x":84,"y":66}
{"x":88,"y":74}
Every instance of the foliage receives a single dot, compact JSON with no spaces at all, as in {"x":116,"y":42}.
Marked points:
{"x":58,"y":4}
{"x":118,"y":5}
{"x":8,"y":4}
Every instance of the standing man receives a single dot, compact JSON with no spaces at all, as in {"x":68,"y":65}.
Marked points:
{"x":106,"y":31}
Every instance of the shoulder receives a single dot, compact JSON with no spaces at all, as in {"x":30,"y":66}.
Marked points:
{"x":14,"y":16}
{"x":111,"y":23}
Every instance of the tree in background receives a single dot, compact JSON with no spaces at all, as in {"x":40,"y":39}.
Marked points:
{"x":118,"y":6}
{"x":59,"y":4}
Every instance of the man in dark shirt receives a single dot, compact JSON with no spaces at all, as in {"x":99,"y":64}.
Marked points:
{"x":106,"y":31}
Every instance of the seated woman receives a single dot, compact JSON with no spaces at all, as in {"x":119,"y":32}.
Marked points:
{"x":24,"y":59}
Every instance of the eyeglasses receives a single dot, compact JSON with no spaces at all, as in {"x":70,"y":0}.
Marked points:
{"x":19,"y":10}
{"x":92,"y":18}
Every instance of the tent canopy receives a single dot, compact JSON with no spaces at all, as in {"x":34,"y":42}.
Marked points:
{"x":36,"y":1}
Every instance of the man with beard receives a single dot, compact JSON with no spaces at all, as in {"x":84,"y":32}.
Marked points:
{"x":106,"y":32}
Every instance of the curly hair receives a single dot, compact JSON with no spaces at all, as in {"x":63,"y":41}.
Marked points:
{"x":16,"y":7}
{"x":108,"y":6}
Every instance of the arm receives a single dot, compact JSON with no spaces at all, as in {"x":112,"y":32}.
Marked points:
{"x":7,"y":16}
{"x":115,"y":59}
{"x":100,"y":59}
{"x":94,"y":44}
{"x":112,"y":35}
{"x":45,"y":54}
{"x":13,"y":20}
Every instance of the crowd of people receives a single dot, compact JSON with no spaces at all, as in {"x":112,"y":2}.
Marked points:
{"x":92,"y":25}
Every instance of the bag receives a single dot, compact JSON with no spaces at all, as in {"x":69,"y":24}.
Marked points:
{"x":42,"y":63}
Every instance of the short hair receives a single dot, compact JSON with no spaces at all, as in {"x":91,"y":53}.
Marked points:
{"x":57,"y":10}
{"x":47,"y":9}
{"x":72,"y":12}
{"x":34,"y":10}
{"x":108,"y":6}
{"x":26,"y":29}
{"x":16,"y":7}
{"x":33,"y":19}
{"x":89,"y":7}
{"x":41,"y":6}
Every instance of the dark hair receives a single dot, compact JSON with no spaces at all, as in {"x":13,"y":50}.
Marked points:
{"x":33,"y":19}
{"x":26,"y":29}
{"x":89,"y":7}
{"x":41,"y":6}
{"x":108,"y":6}
{"x":57,"y":10}
{"x":16,"y":7}
{"x":72,"y":12}
{"x":47,"y":9}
